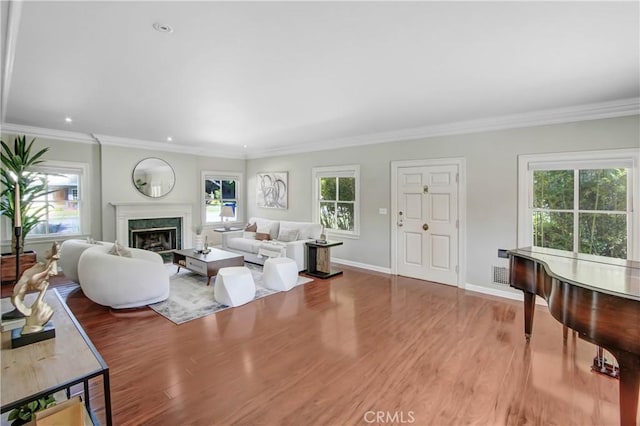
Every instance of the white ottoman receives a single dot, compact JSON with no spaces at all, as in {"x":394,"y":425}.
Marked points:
{"x":234,"y":286}
{"x":280,"y":273}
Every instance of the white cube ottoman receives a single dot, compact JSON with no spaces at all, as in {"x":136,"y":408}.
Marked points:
{"x":280,"y":273}
{"x":234,"y":286}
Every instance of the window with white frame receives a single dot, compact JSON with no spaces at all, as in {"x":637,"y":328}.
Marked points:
{"x":63,"y":210}
{"x":220,"y":190}
{"x":337,"y":199}
{"x":584,"y":202}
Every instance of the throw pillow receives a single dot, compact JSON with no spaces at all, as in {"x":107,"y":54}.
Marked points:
{"x":288,"y":235}
{"x":119,"y":250}
{"x":92,"y":241}
{"x":251,"y":227}
{"x":263,"y":236}
{"x":249,"y":235}
{"x":263,"y":228}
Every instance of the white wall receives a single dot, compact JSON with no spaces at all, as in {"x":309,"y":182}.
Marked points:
{"x":491,"y":184}
{"x":117,"y":185}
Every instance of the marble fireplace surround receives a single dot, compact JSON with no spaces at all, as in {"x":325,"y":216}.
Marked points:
{"x":129,"y":211}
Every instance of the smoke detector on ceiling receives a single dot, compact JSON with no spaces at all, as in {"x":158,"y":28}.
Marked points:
{"x":163,"y":28}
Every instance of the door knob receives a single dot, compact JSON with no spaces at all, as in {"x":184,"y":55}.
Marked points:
{"x":425,"y":227}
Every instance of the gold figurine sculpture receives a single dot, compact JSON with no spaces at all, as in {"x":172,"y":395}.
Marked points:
{"x":36,"y":279}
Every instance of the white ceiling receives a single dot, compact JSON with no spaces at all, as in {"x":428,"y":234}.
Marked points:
{"x":296,"y":76}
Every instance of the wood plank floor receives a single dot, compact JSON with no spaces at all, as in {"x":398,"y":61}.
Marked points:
{"x":338,"y":351}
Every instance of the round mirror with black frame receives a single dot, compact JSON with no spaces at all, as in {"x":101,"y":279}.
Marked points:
{"x":153,"y":177}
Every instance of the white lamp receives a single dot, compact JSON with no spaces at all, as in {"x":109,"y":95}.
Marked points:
{"x":227,"y":211}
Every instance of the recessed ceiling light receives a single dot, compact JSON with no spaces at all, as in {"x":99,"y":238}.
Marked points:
{"x":244,"y":146}
{"x":169,"y":138}
{"x":68,"y":119}
{"x":163,"y":28}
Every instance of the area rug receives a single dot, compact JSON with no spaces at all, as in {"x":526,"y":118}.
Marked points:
{"x":190,"y":297}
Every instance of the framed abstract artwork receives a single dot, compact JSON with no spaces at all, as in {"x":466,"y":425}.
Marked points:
{"x":272,"y":190}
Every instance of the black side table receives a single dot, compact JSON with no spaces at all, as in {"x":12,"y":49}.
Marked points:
{"x":319,"y":259}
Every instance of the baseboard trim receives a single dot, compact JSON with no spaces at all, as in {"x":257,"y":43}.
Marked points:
{"x":374,"y":268}
{"x":519,"y":296}
{"x":513,"y":295}
{"x":494,"y":292}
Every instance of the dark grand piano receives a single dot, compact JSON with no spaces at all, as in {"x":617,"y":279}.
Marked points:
{"x":598,"y":299}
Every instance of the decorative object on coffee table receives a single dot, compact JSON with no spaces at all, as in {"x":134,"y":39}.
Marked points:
{"x":199,"y":245}
{"x":205,"y":248}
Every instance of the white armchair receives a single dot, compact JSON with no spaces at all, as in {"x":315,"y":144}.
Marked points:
{"x":123,"y":282}
{"x":70,"y":252}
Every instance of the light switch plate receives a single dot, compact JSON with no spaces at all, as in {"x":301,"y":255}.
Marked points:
{"x":382,"y":210}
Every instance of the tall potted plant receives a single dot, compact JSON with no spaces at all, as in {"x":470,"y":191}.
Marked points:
{"x":15,"y":172}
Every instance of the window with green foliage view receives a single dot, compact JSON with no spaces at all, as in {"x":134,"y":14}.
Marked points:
{"x":219,"y":192}
{"x":336,"y":199}
{"x":582,"y":210}
{"x":337,"y":202}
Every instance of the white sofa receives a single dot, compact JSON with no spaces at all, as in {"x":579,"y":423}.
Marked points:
{"x":246,"y":244}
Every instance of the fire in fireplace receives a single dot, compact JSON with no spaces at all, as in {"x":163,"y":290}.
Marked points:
{"x":159,"y":240}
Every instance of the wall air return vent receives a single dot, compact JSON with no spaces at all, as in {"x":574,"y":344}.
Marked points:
{"x":500,"y":275}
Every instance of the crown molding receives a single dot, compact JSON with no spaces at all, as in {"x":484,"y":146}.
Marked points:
{"x":618,"y":108}
{"x":41,"y":132}
{"x":10,"y":35}
{"x":595,"y":111}
{"x":65,"y":135}
{"x":208,"y":151}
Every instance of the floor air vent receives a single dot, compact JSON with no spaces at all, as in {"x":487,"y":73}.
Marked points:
{"x":500,"y":275}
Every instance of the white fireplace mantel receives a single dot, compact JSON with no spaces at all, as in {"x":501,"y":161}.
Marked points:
{"x":128,"y":211}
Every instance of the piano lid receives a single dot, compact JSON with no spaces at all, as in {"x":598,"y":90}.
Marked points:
{"x":617,"y":277}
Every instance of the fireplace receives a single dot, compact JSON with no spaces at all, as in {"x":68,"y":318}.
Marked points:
{"x":165,"y":225}
{"x":161,"y":235}
{"x":159,"y":240}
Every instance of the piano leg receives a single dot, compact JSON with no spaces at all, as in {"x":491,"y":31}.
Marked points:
{"x":629,"y":386}
{"x":529,"y":309}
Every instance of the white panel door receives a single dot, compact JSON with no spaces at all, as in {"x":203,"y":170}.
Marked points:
{"x":427,"y":223}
